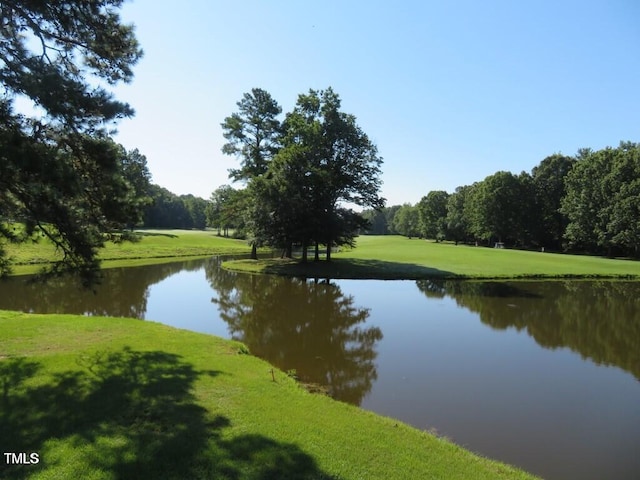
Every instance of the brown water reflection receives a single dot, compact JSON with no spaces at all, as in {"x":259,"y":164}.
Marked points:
{"x":307,"y":326}
{"x":600,"y":320}
{"x":122,"y":292}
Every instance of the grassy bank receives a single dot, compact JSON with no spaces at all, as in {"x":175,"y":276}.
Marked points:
{"x":106,"y":398}
{"x":395,"y":257}
{"x":153,"y":246}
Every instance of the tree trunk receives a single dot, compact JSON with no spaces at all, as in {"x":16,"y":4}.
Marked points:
{"x":289,"y":250}
{"x":254,"y":251}
{"x":304,"y":252}
{"x":317,"y":253}
{"x":329,"y":251}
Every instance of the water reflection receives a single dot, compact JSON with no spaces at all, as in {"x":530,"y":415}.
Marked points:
{"x":600,"y":320}
{"x":122,"y":292}
{"x":309,"y":326}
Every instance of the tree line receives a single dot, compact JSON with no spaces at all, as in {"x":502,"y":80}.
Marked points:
{"x":589,"y":202}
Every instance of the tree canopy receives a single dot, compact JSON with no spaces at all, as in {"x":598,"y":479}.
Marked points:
{"x":60,"y":173}
{"x":432,"y":210}
{"x":602,"y":203}
{"x":589,"y":202}
{"x":252,"y":133}
{"x":304,"y":173}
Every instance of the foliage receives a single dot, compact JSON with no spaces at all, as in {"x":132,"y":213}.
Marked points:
{"x":432,"y":210}
{"x":376,"y":222}
{"x":253,"y":133}
{"x":226,"y":209}
{"x":136,"y":173}
{"x":549,"y":184}
{"x":323,"y":162}
{"x":458,"y":222}
{"x":586,"y":203}
{"x":168,"y":210}
{"x":498,"y":207}
{"x":603,"y":200}
{"x":380,"y":221}
{"x":60,"y":175}
{"x":197,"y":209}
{"x":406,"y":221}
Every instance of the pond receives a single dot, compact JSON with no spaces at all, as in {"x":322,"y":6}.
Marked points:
{"x":542,"y":375}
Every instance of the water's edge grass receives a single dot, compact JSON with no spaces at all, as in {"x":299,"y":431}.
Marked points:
{"x":153,"y":247}
{"x":104,"y":398}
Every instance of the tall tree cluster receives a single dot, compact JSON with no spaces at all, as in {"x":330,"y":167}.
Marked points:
{"x":302,"y":174}
{"x":61,"y":176}
{"x":165,"y":209}
{"x":602,"y":201}
{"x":589,"y":202}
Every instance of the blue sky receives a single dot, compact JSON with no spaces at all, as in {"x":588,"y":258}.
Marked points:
{"x":450,"y":91}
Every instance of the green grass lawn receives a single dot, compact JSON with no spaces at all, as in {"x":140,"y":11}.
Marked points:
{"x":110,"y":398}
{"x":396,"y":257}
{"x":153,"y":246}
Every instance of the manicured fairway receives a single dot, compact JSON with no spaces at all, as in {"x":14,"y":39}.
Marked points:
{"x":108,"y":398}
{"x":395,"y":257}
{"x":481,"y":261}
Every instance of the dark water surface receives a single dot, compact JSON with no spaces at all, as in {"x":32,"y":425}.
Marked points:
{"x":542,"y":375}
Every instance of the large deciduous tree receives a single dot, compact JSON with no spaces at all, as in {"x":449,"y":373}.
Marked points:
{"x":602,"y":202}
{"x":60,"y":175}
{"x":407,"y":221}
{"x":432,"y":210}
{"x":226,"y":209}
{"x":498,"y":207}
{"x":136,"y":173}
{"x":549,"y":185}
{"x":333,"y":163}
{"x":458,"y":222}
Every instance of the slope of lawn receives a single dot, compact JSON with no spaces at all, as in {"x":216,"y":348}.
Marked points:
{"x":396,"y":257}
{"x":153,"y":244}
{"x":107,"y":398}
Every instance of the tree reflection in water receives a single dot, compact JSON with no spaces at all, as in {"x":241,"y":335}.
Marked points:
{"x":306,"y":325}
{"x":122,"y":292}
{"x":600,"y":320}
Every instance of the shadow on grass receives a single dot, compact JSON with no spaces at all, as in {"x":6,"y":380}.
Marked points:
{"x":342,"y":268}
{"x":129,"y":414}
{"x":141,"y":233}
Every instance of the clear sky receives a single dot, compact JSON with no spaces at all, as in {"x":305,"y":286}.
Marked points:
{"x":450,"y":91}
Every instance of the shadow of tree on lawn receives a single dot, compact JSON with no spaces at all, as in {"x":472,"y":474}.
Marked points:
{"x":129,"y":414}
{"x":351,"y":268}
{"x":143,"y":233}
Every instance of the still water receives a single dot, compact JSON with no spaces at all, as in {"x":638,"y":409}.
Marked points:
{"x":542,"y":375}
